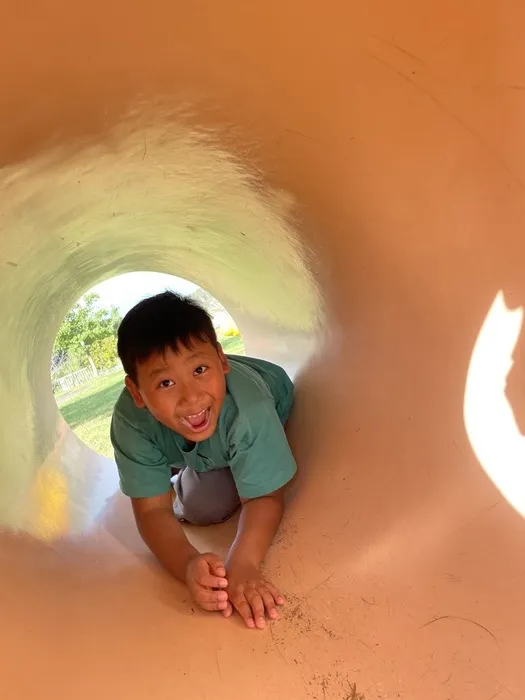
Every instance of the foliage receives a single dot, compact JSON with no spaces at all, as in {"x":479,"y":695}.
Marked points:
{"x":233,"y":346}
{"x":104,"y":352}
{"x":83,"y":329}
{"x":68,"y":362}
{"x":231,"y":332}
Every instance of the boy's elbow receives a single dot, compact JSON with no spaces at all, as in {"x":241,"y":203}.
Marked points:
{"x":276,"y":497}
{"x":144,"y":508}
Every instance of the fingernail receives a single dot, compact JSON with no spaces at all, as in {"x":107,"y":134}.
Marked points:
{"x":223,"y":605}
{"x":250,"y":623}
{"x":261,"y":624}
{"x":280,"y":600}
{"x":222,"y":583}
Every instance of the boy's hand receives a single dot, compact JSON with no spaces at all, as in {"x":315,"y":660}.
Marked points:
{"x":252,"y":596}
{"x":204,"y":574}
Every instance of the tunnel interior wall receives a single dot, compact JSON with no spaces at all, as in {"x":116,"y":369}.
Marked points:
{"x":396,"y":129}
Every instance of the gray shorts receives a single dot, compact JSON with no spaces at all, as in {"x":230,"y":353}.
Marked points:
{"x":205,"y":498}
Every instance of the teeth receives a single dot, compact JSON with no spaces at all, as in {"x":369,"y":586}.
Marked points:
{"x":197,"y":415}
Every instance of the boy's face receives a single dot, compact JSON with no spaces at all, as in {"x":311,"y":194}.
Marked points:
{"x":184,"y":391}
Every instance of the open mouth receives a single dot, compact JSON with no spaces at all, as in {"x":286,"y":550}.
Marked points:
{"x":197,"y":422}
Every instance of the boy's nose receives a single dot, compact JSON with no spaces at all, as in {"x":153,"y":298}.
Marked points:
{"x":190,"y":396}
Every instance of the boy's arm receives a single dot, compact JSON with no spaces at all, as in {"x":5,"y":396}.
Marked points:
{"x":263,"y":467}
{"x":249,"y":592}
{"x":163,"y":534}
{"x":258,"y":523}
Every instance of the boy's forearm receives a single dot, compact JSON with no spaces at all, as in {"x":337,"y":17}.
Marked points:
{"x":163,"y":534}
{"x":259,"y":521}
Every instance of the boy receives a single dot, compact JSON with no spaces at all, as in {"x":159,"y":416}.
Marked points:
{"x":217,"y":421}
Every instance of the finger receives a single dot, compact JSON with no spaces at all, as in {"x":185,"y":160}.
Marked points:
{"x":204,"y":576}
{"x":214,"y":606}
{"x":216,"y":565}
{"x":206,"y":579}
{"x":276,"y":594}
{"x":269,"y":603}
{"x":244,"y":610}
{"x":207,"y":595}
{"x":256,"y":603}
{"x":228,"y":610}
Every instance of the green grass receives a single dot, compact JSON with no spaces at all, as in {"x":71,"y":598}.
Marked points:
{"x":89,"y":411}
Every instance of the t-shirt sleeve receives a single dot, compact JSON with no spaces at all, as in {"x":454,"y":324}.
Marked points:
{"x":143,"y":468}
{"x":261,"y":460}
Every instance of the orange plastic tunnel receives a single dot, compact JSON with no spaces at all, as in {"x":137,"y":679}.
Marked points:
{"x":348,"y":179}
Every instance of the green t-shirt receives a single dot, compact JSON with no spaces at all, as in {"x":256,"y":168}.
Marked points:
{"x":249,"y":437}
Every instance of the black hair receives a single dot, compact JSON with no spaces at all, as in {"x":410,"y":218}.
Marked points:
{"x":166,"y":320}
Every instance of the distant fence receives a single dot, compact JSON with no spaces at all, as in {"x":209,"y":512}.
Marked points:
{"x":81,"y":376}
{"x":70,"y":381}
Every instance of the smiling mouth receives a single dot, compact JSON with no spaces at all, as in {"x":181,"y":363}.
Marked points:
{"x":197,"y":422}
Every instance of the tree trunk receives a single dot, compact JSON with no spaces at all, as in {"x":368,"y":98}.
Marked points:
{"x":92,"y":364}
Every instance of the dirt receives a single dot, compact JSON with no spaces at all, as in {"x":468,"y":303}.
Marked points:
{"x":332,"y":686}
{"x":297,"y":622}
{"x":293,"y":612}
{"x":285,"y":537}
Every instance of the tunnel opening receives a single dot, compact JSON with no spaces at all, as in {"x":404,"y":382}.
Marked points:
{"x":86,"y":373}
{"x":82,"y":215}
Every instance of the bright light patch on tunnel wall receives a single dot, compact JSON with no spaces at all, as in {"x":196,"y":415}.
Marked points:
{"x":489,"y":419}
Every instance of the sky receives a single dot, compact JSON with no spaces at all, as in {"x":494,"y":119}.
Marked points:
{"x":126,"y":290}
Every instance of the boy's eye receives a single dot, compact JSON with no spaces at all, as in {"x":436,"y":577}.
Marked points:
{"x":201,"y":369}
{"x":165,"y":384}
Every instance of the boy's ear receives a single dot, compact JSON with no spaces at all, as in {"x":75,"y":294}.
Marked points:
{"x":135,"y":393}
{"x":223,"y":359}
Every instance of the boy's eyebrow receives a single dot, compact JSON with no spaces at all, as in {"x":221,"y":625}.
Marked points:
{"x":189,"y":358}
{"x":196,"y":354}
{"x":159,"y":370}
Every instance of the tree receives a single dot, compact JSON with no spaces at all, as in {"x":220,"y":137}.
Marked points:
{"x":104,"y":353}
{"x":84,"y":327}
